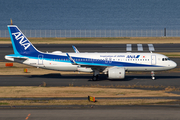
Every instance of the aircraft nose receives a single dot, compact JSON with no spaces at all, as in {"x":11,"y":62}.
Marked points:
{"x":173,"y":64}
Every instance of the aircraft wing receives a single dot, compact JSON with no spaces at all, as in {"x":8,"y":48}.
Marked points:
{"x":72,"y":60}
{"x":84,"y":63}
{"x":75,"y":49}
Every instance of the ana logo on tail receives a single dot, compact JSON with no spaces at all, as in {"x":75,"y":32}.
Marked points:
{"x":23,"y":41}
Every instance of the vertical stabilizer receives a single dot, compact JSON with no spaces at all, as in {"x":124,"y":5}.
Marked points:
{"x":21,"y":45}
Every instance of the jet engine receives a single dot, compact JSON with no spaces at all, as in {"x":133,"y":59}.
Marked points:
{"x":116,"y":73}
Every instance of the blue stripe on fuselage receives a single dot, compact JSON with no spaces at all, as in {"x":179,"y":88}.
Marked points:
{"x":84,"y":61}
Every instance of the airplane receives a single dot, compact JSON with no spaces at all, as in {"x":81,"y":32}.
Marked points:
{"x":114,"y":65}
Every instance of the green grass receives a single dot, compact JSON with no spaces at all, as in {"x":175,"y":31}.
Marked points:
{"x":4,"y":103}
{"x":120,"y":40}
{"x":5,"y":39}
{"x":172,"y":55}
{"x":66,"y":39}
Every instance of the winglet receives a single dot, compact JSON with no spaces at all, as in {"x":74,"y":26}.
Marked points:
{"x":72,"y":61}
{"x":75,"y":49}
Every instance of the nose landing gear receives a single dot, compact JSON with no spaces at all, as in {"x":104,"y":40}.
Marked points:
{"x":153,"y":75}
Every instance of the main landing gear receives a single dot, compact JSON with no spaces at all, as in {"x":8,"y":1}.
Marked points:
{"x":94,"y":78}
{"x":153,"y":75}
{"x":95,"y":75}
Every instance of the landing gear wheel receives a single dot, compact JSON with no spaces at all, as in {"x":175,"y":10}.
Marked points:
{"x":95,"y":75}
{"x":153,"y":75}
{"x":95,"y":78}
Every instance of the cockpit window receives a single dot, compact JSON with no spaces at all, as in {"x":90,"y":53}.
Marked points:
{"x":165,"y":59}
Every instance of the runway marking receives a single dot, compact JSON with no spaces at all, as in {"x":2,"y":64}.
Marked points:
{"x":28,"y":116}
{"x":139,"y":46}
{"x":128,"y":47}
{"x":151,"y":47}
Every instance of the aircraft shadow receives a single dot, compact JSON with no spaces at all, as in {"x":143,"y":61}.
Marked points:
{"x":101,"y":77}
{"x":59,"y":76}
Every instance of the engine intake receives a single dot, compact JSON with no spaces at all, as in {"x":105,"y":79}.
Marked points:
{"x":116,"y":73}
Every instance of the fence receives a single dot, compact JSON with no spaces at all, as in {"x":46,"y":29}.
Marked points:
{"x":96,"y":33}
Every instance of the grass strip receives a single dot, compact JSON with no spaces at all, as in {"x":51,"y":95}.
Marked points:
{"x":119,"y":40}
{"x":45,"y":92}
{"x":86,"y":102}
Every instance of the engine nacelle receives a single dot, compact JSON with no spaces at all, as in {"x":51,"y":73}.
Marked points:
{"x":116,"y":73}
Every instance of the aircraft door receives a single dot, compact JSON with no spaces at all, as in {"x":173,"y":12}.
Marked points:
{"x":110,"y":60}
{"x":153,"y":59}
{"x":106,"y":60}
{"x":40,"y":59}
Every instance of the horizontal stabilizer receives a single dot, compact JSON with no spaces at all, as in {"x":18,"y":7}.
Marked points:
{"x":21,"y":58}
{"x":13,"y":58}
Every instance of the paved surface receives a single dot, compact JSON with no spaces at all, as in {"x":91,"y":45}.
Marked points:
{"x":164,"y":78}
{"x":98,"y":112}
{"x":106,"y":47}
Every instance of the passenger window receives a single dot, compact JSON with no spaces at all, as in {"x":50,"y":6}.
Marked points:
{"x":163,"y":59}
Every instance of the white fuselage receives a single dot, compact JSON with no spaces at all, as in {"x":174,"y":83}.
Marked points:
{"x":130,"y":61}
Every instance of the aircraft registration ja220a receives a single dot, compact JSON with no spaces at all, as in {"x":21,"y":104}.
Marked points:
{"x":113,"y":64}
